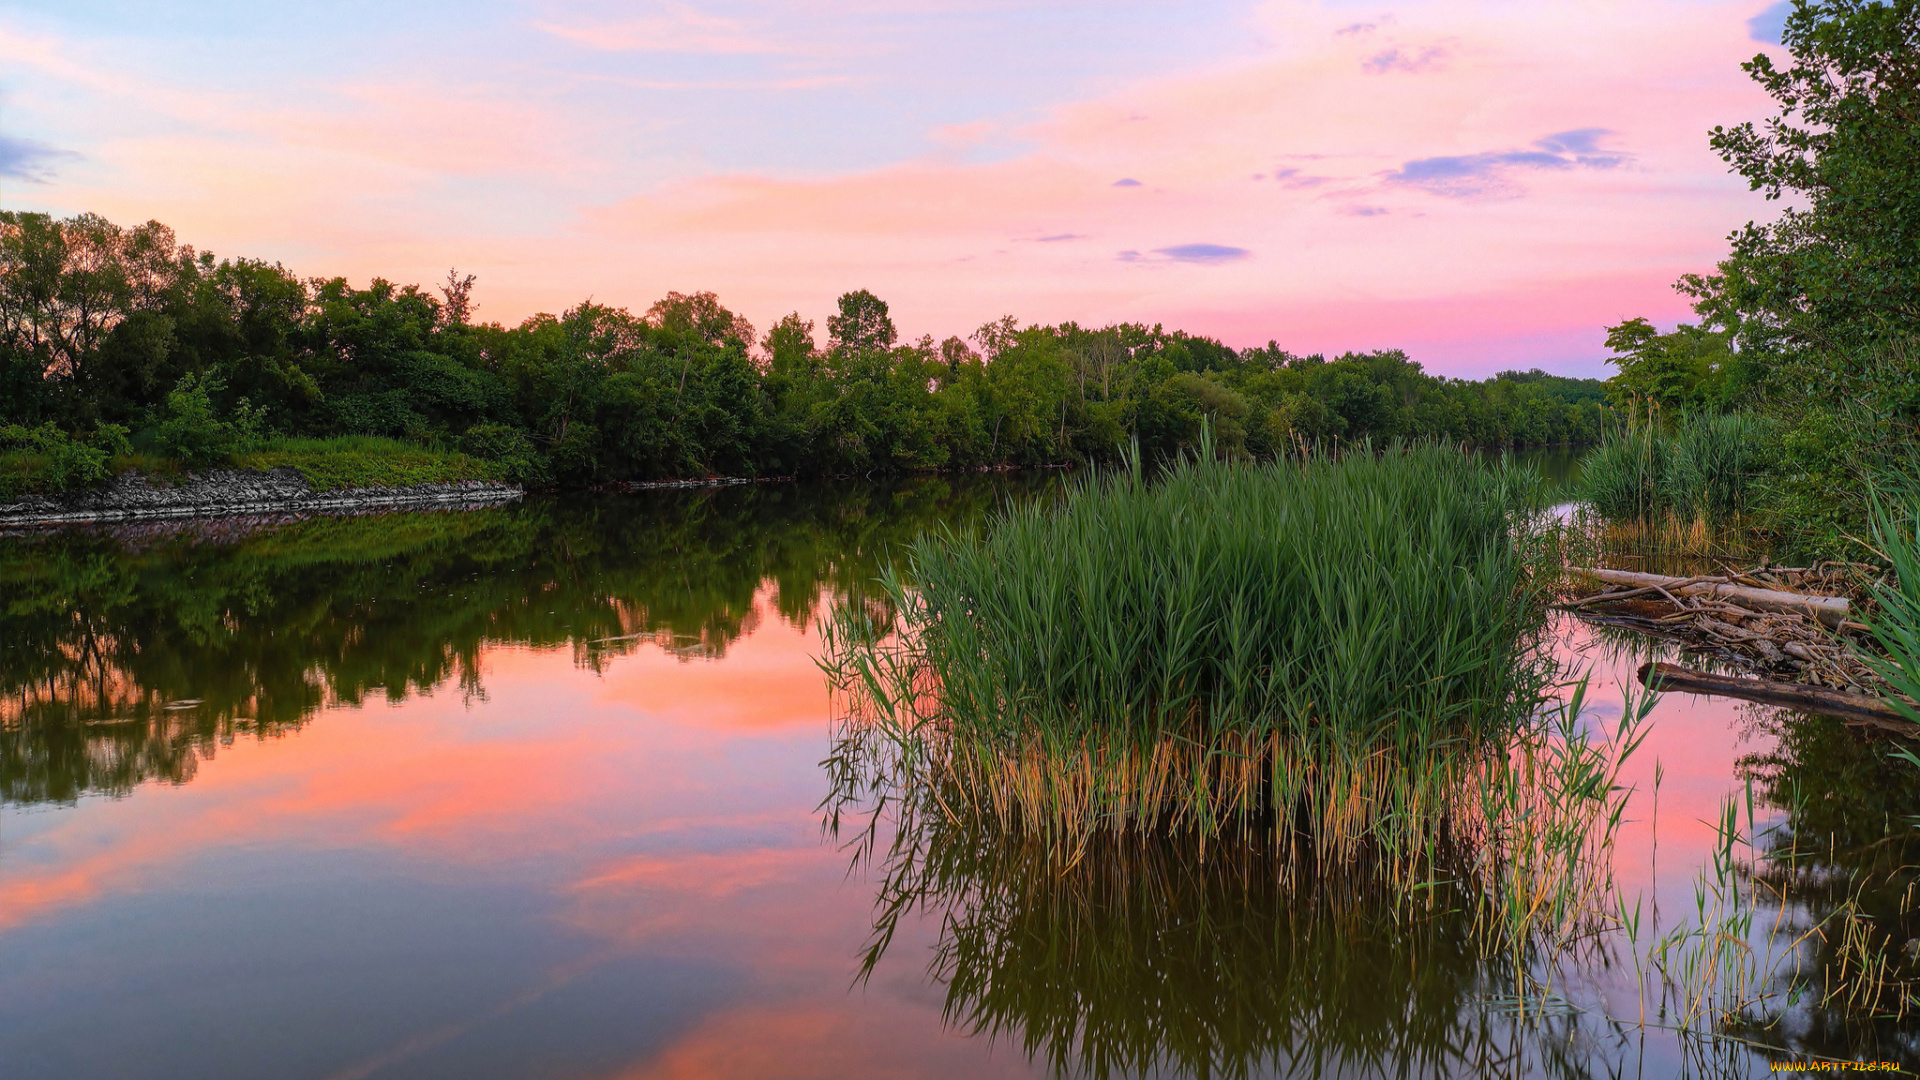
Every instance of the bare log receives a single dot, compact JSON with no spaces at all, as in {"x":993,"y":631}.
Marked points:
{"x":1857,"y":708}
{"x":1831,"y":610}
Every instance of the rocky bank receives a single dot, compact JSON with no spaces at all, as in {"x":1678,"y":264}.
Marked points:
{"x":238,"y":491}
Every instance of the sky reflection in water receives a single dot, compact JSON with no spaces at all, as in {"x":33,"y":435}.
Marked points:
{"x":534,"y":792}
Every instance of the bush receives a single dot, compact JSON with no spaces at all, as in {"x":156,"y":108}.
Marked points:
{"x":193,"y":433}
{"x":1223,"y":642}
{"x":1623,"y":479}
{"x":510,"y":449}
{"x":1715,"y":465}
{"x":1896,"y":627}
{"x":45,"y":459}
{"x":1710,"y":467}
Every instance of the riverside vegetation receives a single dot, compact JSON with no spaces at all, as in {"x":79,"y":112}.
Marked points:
{"x":1797,"y":395}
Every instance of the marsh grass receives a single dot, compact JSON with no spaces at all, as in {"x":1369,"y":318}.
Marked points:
{"x":1692,"y":490}
{"x":1336,"y":637}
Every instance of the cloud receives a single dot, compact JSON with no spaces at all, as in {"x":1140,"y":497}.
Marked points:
{"x":28,"y":159}
{"x":1058,"y":237}
{"x":1584,"y":145}
{"x":1126,"y":181}
{"x":1464,"y":175}
{"x":1293,"y":178}
{"x":1203,"y":253}
{"x":1364,"y":211}
{"x":1395,"y":60}
{"x":1356,"y":28}
{"x":1770,"y":25}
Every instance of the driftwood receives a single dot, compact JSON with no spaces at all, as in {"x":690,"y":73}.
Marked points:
{"x":1829,"y":610}
{"x":1855,"y":708}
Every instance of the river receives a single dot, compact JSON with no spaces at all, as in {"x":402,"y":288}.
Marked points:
{"x":535,"y":791}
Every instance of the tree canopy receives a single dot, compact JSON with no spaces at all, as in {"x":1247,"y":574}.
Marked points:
{"x":122,"y":339}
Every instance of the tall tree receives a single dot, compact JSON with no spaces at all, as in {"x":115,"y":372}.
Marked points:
{"x":1840,"y":268}
{"x":861,"y":326}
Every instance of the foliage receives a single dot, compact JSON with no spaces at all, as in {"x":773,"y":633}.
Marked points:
{"x":1839,"y":267}
{"x":197,"y":356}
{"x":1709,"y":468}
{"x":1667,"y":374}
{"x":45,"y":459}
{"x":1812,"y":319}
{"x":193,"y":433}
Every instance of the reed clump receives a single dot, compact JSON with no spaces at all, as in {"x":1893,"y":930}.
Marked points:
{"x":1681,"y":486}
{"x":1335,"y":646}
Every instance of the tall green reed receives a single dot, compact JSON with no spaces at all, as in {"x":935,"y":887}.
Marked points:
{"x":1334,"y":637}
{"x":1707,"y":468}
{"x":1896,"y":625}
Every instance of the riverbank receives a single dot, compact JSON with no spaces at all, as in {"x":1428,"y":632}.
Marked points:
{"x":133,"y":496}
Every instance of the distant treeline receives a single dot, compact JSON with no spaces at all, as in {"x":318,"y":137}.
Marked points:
{"x":126,"y":340}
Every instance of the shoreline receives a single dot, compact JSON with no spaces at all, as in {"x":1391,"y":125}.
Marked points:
{"x":229,"y":492}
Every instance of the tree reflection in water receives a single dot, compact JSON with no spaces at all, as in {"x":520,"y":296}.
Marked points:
{"x":1848,"y":848}
{"x":134,"y":652}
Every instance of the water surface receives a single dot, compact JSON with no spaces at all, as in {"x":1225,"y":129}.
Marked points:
{"x":534,"y":792}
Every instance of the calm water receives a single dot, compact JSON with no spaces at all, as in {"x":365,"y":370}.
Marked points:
{"x":533,"y":792}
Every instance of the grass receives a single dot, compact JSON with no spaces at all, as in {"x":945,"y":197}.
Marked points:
{"x":364,"y":461}
{"x":1896,"y":622}
{"x":1340,"y":642}
{"x":328,"y":464}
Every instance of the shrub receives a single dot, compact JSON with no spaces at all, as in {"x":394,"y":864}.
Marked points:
{"x":1714,"y":466}
{"x":1896,"y":626}
{"x":46,"y":459}
{"x":509,"y":448}
{"x":192,"y":430}
{"x":1709,"y":468}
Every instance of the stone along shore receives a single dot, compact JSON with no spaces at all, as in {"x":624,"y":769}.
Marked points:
{"x":239,"y":491}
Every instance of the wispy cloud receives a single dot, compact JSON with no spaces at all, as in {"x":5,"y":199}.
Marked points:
{"x":1768,"y":26}
{"x":1294,"y":178}
{"x":1127,"y":181}
{"x":1403,"y":60}
{"x":1205,"y":254}
{"x":1464,"y":175}
{"x":1058,"y":237}
{"x":29,"y":159}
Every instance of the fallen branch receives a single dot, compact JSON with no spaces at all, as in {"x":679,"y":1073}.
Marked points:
{"x":1831,"y":610}
{"x":1856,"y":708}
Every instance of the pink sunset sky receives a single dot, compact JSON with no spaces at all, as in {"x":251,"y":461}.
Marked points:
{"x":1486,"y":185}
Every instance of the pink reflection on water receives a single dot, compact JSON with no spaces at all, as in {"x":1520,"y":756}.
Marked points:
{"x":668,"y":807}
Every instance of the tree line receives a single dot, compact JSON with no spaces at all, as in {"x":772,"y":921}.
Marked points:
{"x":1809,"y":328}
{"x":125,"y":340}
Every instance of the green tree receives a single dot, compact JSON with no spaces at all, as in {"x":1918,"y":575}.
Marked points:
{"x":1839,"y":268}
{"x":861,"y":326}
